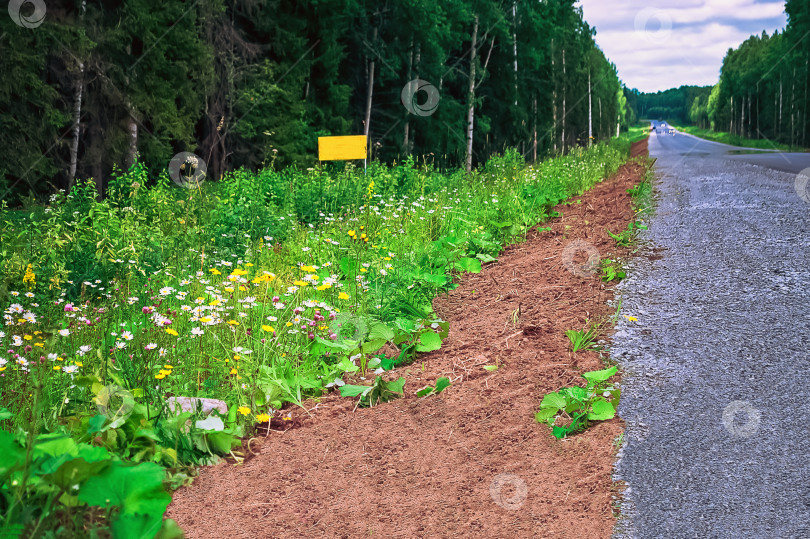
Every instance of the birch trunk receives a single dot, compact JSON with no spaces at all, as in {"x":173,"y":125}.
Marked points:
{"x":132,"y":154}
{"x":471,"y":97}
{"x":553,"y":100}
{"x":590,"y":111}
{"x":534,"y":129}
{"x":77,"y":113}
{"x":369,"y":95}
{"x":406,"y":129}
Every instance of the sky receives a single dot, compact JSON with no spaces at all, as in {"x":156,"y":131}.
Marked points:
{"x":661,"y":44}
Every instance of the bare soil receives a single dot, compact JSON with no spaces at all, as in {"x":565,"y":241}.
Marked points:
{"x":470,"y":461}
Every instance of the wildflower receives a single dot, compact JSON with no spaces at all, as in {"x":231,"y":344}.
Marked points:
{"x":197,"y":331}
{"x":268,"y":329}
{"x":172,"y":332}
{"x":343,"y":295}
{"x":162,"y":352}
{"x":150,"y":346}
{"x":631,"y":318}
{"x":64,"y":332}
{"x":233,"y":323}
{"x":127,"y":335}
{"x":84,"y":349}
{"x":70,"y":369}
{"x":244,"y":410}
{"x":29,"y":279}
{"x":160,"y":375}
{"x":262,"y":418}
{"x":215,"y":271}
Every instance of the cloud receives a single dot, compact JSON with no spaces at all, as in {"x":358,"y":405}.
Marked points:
{"x":657,"y":46}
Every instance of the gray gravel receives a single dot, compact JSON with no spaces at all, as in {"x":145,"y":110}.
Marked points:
{"x":717,"y":367}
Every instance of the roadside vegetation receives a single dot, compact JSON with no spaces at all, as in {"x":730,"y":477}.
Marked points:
{"x":262,"y":290}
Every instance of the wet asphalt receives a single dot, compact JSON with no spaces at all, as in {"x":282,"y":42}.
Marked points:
{"x":717,"y":368}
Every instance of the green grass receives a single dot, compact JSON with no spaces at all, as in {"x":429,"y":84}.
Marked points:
{"x":637,"y":132}
{"x":735,"y":140}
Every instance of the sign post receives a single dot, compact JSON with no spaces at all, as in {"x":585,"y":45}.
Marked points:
{"x":343,"y":148}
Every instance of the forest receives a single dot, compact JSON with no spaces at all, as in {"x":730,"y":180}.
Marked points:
{"x":95,"y":86}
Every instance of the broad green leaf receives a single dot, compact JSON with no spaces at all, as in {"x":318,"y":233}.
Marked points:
{"x":429,"y":341}
{"x":490,"y":368}
{"x":381,"y":331}
{"x":350,"y":390}
{"x":601,"y":410}
{"x":545,"y":414}
{"x":471,"y":265}
{"x":397,"y":386}
{"x":554,"y":401}
{"x":373,"y":345}
{"x":442,"y":384}
{"x":575,"y":393}
{"x":55,"y":444}
{"x":137,"y":526}
{"x":222,"y":442}
{"x":96,"y":423}
{"x":135,"y":489}
{"x":346,"y":365}
{"x":76,"y":471}
{"x":425,"y":391}
{"x":594,"y":377}
{"x":4,"y":414}
{"x":12,"y":453}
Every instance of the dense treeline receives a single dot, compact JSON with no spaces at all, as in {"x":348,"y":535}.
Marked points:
{"x":674,"y":104}
{"x":103,"y":84}
{"x":763,"y":88}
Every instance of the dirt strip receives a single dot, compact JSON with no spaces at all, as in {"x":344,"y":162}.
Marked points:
{"x":468,"y":462}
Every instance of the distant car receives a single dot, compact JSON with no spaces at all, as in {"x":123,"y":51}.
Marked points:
{"x":671,"y":131}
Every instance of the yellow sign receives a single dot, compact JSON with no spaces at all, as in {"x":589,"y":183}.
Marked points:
{"x":342,"y":148}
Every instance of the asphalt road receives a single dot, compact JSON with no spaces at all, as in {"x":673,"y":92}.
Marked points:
{"x":717,"y":368}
